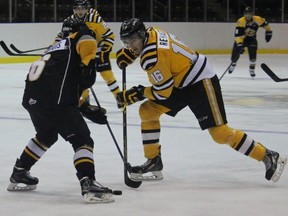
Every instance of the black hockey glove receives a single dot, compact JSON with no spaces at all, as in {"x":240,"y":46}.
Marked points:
{"x":103,"y":59}
{"x":125,"y":57}
{"x":94,"y":113}
{"x":268,"y":36}
{"x":87,"y":74}
{"x":131,"y":95}
{"x":72,"y":25}
{"x":240,"y":48}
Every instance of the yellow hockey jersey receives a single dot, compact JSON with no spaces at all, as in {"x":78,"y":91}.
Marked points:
{"x":104,"y":35}
{"x":246,"y":28}
{"x":169,"y":64}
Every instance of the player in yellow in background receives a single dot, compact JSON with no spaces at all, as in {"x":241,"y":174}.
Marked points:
{"x":105,"y":41}
{"x":245,"y":36}
{"x":180,"y":77}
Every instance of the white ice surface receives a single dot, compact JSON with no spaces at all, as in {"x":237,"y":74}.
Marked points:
{"x":201,"y":178}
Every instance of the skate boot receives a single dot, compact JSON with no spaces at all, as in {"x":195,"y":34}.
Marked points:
{"x":274,"y":165}
{"x":21,"y":180}
{"x":94,"y":192}
{"x":252,"y":72}
{"x":232,"y":67}
{"x":149,"y":171}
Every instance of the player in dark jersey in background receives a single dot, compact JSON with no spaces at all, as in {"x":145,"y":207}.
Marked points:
{"x":180,"y":78}
{"x":51,"y":97}
{"x":105,"y":40}
{"x":245,"y":36}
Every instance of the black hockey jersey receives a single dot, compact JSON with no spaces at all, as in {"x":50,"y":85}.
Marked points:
{"x":56,"y":78}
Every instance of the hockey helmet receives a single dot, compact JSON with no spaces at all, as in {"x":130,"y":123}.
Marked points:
{"x":81,"y":7}
{"x":248,"y":11}
{"x":132,"y":28}
{"x":81,"y":3}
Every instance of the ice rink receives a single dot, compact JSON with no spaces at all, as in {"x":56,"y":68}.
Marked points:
{"x":201,"y":178}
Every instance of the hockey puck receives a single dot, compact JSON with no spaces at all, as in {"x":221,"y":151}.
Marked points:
{"x":117,"y":192}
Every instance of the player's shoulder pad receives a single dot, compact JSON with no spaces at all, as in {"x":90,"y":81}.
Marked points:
{"x":260,"y":20}
{"x":84,"y":34}
{"x":241,"y":22}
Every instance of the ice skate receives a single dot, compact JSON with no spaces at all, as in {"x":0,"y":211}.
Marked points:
{"x":231,"y":68}
{"x":149,"y":171}
{"x":252,"y":72}
{"x":21,"y":180}
{"x":274,"y":165}
{"x":94,"y":192}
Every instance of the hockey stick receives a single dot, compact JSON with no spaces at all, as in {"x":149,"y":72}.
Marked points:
{"x":127,"y":166}
{"x":270,"y":73}
{"x":8,"y":51}
{"x":225,"y":71}
{"x":26,"y":51}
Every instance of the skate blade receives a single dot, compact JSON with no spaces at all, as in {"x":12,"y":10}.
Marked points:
{"x":97,"y":198}
{"x":150,"y":176}
{"x":20,"y":187}
{"x":280,"y":168}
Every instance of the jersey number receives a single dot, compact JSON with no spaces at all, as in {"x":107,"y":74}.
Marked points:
{"x":177,"y":47}
{"x":37,"y":67}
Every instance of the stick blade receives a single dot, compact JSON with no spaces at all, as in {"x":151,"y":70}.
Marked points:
{"x":270,"y":73}
{"x":129,"y":182}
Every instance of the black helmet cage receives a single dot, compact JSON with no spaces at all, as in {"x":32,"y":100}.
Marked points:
{"x":130,"y":29}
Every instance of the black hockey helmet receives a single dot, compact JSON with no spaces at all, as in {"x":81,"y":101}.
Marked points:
{"x":132,"y":28}
{"x":248,"y":10}
{"x":81,"y":3}
{"x":71,"y":26}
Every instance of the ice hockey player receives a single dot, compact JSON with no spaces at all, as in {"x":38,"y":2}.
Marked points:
{"x":51,"y":97}
{"x":105,"y":40}
{"x":180,"y":77}
{"x":245,"y":36}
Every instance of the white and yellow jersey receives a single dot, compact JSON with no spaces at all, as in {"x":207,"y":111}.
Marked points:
{"x":170,"y":63}
{"x":104,"y":35}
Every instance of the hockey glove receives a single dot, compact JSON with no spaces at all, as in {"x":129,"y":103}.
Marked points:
{"x":268,"y":36}
{"x":240,"y":48}
{"x":87,"y":74}
{"x":125,"y":57}
{"x":94,"y":113}
{"x":120,"y":105}
{"x":103,"y":59}
{"x":131,"y":95}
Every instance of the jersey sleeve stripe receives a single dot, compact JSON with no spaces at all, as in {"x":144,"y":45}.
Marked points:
{"x":194,"y":71}
{"x":164,"y":85}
